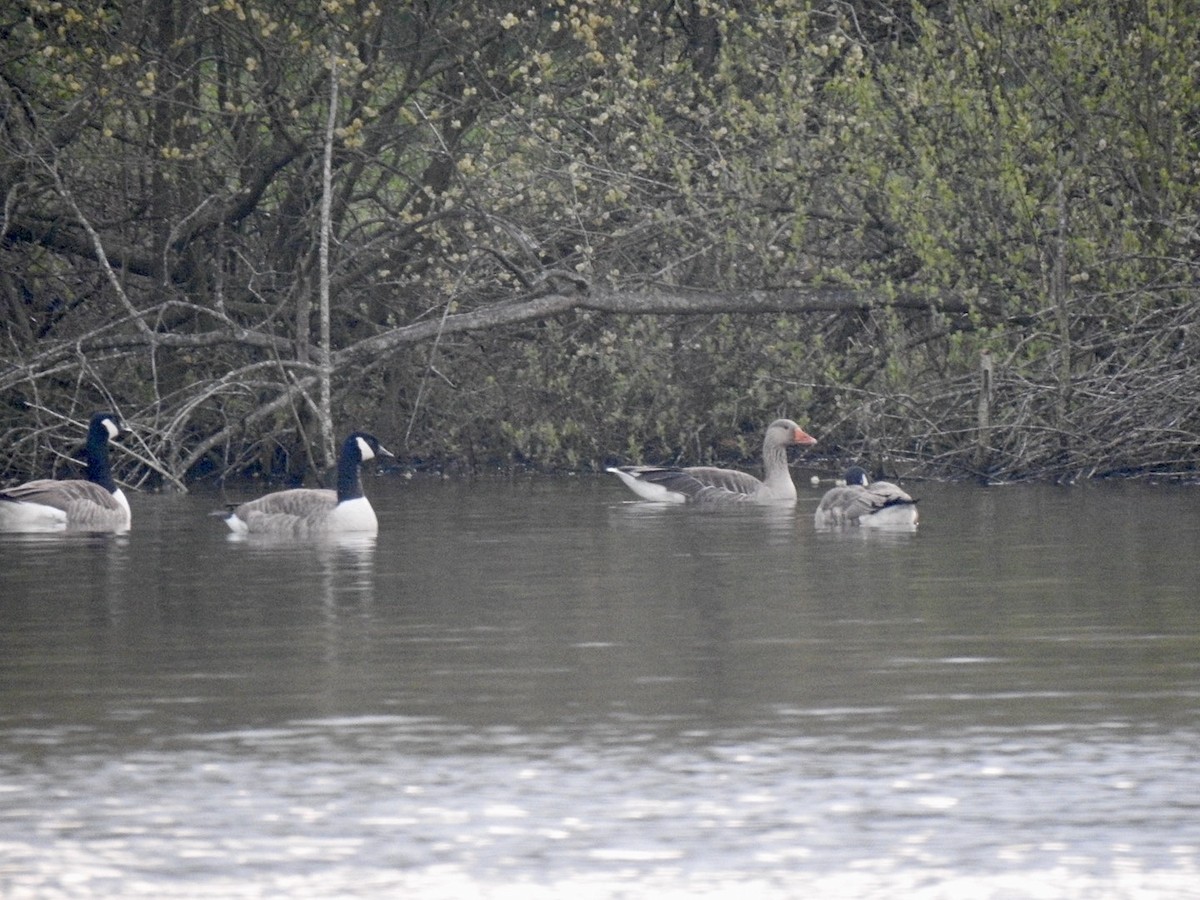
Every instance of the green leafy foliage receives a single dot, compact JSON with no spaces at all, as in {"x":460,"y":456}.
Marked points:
{"x":1022,"y":176}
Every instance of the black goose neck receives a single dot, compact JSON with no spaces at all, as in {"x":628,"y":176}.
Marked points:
{"x":96,"y":454}
{"x":349,"y":486}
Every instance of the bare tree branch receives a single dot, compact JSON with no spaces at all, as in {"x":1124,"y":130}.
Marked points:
{"x":647,"y":301}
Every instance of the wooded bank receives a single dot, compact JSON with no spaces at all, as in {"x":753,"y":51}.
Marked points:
{"x":951,"y":239}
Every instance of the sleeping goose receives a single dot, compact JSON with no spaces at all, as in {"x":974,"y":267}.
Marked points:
{"x":303,"y":512}
{"x":708,"y":484}
{"x":96,"y":504}
{"x":875,"y":504}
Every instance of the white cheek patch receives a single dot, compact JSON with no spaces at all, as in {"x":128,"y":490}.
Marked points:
{"x":364,"y":450}
{"x":111,"y":427}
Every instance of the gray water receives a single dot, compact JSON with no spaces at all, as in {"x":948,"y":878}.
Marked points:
{"x":540,"y":689}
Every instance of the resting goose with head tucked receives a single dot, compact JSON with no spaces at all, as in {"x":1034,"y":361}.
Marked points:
{"x":873,"y":505}
{"x":305,"y":512}
{"x":709,"y":484}
{"x":94,"y":504}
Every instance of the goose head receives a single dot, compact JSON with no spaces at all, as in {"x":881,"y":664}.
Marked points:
{"x":365,"y":446}
{"x":857,"y":475}
{"x":785,"y":433}
{"x":105,"y":427}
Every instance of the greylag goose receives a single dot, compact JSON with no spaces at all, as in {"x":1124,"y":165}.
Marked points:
{"x":874,"y":504}
{"x":708,"y":484}
{"x":305,"y":512}
{"x":95,"y":504}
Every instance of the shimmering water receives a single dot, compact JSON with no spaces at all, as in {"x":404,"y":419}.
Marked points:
{"x":539,"y":689}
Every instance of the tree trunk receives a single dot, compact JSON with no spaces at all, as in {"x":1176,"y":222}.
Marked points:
{"x":325,"y":372}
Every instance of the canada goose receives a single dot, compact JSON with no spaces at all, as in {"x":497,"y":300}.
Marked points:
{"x":875,"y":504}
{"x":96,"y":504}
{"x":302,"y":512}
{"x":708,"y":484}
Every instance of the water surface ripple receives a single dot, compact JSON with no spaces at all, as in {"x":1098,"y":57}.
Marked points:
{"x":540,"y":689}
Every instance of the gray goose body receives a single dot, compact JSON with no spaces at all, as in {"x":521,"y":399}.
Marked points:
{"x":872,"y":504}
{"x":94,"y":504}
{"x":306,"y":512}
{"x":710,"y":484}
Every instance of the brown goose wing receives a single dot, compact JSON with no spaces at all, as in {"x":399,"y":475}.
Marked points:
{"x":282,"y":511}
{"x":882,"y":494}
{"x":68,"y":495}
{"x":842,"y":504}
{"x":86,"y":505}
{"x":730,"y":480}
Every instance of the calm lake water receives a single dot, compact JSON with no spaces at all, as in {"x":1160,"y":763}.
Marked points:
{"x":541,"y":689}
